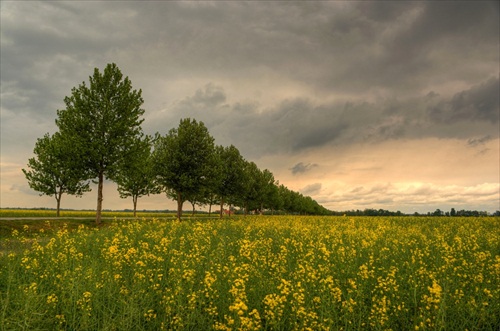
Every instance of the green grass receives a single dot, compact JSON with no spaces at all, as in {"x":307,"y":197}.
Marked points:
{"x":72,"y":219}
{"x":21,"y":213}
{"x":254,"y":273}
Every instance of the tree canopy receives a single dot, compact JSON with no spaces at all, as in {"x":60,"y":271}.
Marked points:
{"x":100,"y":138}
{"x":54,"y":171}
{"x":102,"y":121}
{"x":134,"y":175}
{"x":229,"y":175}
{"x":183,"y":161}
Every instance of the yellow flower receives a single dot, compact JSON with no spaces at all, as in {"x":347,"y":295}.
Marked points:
{"x":436,"y":290}
{"x":363,"y":272}
{"x":113,"y":249}
{"x":61,"y":319}
{"x":150,"y":314}
{"x":52,"y":299}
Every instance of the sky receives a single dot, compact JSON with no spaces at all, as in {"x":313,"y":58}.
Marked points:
{"x":381,"y":104}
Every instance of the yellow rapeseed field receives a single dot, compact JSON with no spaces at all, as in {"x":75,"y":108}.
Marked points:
{"x":256,"y":273}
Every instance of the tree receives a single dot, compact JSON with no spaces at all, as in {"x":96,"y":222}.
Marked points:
{"x":248,"y":197}
{"x":437,"y":212}
{"x":276,"y":200}
{"x":285,"y":197}
{"x":228,"y":177}
{"x":134,"y":175}
{"x":183,"y":161}
{"x":265,"y":189}
{"x":102,"y":121}
{"x":53,"y":170}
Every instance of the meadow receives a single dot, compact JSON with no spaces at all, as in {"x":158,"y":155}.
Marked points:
{"x":254,"y":273}
{"x":51,"y":213}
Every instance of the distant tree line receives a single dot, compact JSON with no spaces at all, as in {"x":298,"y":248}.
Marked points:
{"x":461,"y":213}
{"x":437,"y":212}
{"x":367,"y":212}
{"x":100,"y":138}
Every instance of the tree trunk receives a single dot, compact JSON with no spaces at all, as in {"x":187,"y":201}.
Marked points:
{"x":210,"y":207}
{"x":179,"y":205}
{"x":221,"y":206}
{"x":58,"y":199}
{"x":194,"y":206}
{"x":134,"y":199}
{"x":99,"y":198}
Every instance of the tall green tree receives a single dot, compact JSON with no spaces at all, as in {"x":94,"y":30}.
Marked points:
{"x":248,"y":197}
{"x":134,"y":175}
{"x":229,"y":174}
{"x":54,"y":171}
{"x":275,"y":200}
{"x":183,"y":161}
{"x":265,"y":189}
{"x":102,"y":120}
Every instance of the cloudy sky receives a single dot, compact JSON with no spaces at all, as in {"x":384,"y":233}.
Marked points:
{"x":391,"y":105}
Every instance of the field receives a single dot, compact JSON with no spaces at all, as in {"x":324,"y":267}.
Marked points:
{"x":50,"y":213}
{"x":254,"y":273}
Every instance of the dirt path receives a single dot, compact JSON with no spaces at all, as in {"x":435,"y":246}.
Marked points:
{"x":62,"y":218}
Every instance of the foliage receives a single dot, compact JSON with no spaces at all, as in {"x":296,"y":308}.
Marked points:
{"x":100,"y":129}
{"x":229,"y":176}
{"x":100,"y":137}
{"x":134,"y":175}
{"x":54,"y":171}
{"x":295,"y":203}
{"x":257,"y":273}
{"x":182,"y":161}
{"x":258,"y":188}
{"x":102,"y":121}
{"x":266,"y":190}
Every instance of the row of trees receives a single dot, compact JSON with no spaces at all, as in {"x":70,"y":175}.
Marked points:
{"x":367,"y":212}
{"x":437,"y":212}
{"x":461,"y":213}
{"x":100,"y":138}
{"x":188,"y":166}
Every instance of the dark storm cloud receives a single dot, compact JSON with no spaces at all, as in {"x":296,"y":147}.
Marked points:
{"x":479,"y":103}
{"x":307,"y":125}
{"x":206,"y":104}
{"x":384,"y":11}
{"x":465,"y":20}
{"x":302,"y":167}
{"x":300,"y":124}
{"x":291,"y":126}
{"x":331,"y":47}
{"x":347,"y":48}
{"x":43,"y":52}
{"x":210,"y":96}
{"x":406,"y":46}
{"x":473,"y":142}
